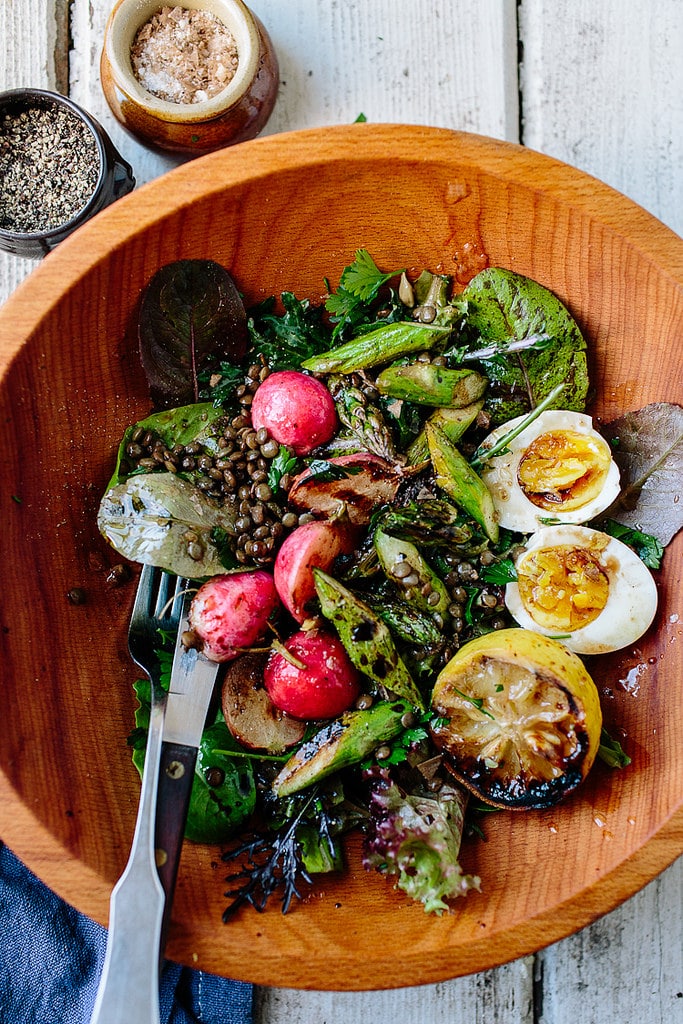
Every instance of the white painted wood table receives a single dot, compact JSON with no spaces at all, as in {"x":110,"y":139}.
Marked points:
{"x":598,"y":85}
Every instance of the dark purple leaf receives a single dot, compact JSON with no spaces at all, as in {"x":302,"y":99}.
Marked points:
{"x":191,"y":317}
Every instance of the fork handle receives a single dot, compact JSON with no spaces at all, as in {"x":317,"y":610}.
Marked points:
{"x":173,"y":800}
{"x":129,"y":987}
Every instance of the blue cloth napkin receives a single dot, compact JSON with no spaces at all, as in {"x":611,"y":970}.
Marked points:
{"x":51,"y":959}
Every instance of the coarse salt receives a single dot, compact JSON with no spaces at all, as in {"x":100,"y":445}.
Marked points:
{"x":184,"y":56}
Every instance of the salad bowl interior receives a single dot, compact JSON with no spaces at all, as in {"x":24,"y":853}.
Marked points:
{"x":287,"y":213}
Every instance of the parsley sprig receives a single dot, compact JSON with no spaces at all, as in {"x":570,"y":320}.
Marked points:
{"x":359,"y":285}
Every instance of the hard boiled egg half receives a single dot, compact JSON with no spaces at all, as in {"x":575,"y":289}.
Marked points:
{"x":559,"y":468}
{"x":582,"y":587}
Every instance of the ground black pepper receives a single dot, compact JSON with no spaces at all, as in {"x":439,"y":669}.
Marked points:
{"x":49,"y":168}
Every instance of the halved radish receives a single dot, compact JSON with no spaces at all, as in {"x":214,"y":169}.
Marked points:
{"x":312,"y":546}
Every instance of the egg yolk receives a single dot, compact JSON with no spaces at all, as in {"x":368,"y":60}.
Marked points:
{"x":562,"y":587}
{"x":564,"y":469}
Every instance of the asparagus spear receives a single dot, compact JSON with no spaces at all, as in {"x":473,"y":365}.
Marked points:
{"x":453,"y":422}
{"x":366,"y":638}
{"x":383,"y":345}
{"x":429,"y":384}
{"x":345,"y":741}
{"x":455,"y":476}
{"x":366,"y":428}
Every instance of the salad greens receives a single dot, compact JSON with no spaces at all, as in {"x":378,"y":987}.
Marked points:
{"x":191,"y":313}
{"x":429,"y":571}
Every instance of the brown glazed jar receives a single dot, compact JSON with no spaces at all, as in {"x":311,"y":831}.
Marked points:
{"x":236,"y":113}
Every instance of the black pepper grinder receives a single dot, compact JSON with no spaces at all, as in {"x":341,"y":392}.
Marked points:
{"x":58,"y":168}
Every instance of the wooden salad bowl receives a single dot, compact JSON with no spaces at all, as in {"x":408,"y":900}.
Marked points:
{"x":286,"y":213}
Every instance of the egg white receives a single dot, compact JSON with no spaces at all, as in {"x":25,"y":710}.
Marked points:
{"x":514,"y":509}
{"x":632,"y":595}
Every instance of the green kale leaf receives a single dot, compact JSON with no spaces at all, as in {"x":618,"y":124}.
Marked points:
{"x":285,"y":340}
{"x":504,"y":308}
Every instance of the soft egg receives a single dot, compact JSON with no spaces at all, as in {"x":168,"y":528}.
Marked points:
{"x":559,"y":468}
{"x":583,"y":587}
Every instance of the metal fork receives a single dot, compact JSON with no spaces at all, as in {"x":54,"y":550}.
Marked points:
{"x":128,"y":992}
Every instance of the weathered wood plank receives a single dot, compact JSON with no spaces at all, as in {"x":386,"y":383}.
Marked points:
{"x":602,"y":88}
{"x":494,"y":997}
{"x":626,"y":967}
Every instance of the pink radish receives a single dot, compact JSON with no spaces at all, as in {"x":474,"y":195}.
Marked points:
{"x":312,"y":546}
{"x":317,"y":680}
{"x":231,"y":612}
{"x":295,"y":409}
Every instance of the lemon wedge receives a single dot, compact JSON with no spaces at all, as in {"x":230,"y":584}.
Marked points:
{"x":517,"y":718}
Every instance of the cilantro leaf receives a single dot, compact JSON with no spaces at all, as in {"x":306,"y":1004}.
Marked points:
{"x":284,"y":462}
{"x":359,"y":285}
{"x":611,"y":752}
{"x":362,"y":278}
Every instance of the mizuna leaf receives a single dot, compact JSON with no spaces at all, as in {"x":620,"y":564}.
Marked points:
{"x":648,"y":448}
{"x":191,"y":316}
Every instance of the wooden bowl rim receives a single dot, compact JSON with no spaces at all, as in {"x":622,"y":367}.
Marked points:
{"x":59,"y":273}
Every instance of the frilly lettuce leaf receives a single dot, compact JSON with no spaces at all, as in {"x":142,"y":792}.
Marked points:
{"x":417,"y":837}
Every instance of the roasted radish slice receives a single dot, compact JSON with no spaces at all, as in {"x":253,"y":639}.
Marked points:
{"x":250,"y":714}
{"x":518,"y":719}
{"x":230,"y":613}
{"x":360,"y":483}
{"x":312,"y":677}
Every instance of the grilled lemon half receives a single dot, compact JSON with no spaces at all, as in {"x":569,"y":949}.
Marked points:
{"x":517,"y":718}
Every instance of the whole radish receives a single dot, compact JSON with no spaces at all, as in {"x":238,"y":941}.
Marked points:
{"x":231,"y":612}
{"x":295,"y":409}
{"x":314,"y":678}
